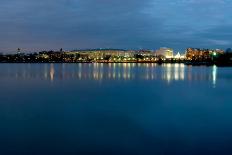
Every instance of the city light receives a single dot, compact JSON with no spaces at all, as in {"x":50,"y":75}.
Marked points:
{"x":192,"y":56}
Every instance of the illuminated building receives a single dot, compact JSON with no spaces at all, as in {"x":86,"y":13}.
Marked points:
{"x":197,"y":54}
{"x":178,"y":56}
{"x":165,"y":52}
{"x":202,"y":54}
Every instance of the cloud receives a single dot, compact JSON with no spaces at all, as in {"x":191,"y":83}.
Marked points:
{"x":219,"y":42}
{"x":52,"y":24}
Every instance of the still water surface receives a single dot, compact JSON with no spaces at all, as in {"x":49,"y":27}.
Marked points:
{"x":115,"y":109}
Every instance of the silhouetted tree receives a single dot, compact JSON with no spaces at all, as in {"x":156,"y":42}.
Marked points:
{"x":228,"y":50}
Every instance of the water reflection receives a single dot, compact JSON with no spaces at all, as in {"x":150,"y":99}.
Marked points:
{"x":113,"y":71}
{"x":52,"y":72}
{"x":214,"y":75}
{"x":173,"y":72}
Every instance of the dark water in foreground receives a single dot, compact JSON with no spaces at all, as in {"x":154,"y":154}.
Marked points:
{"x":115,"y":109}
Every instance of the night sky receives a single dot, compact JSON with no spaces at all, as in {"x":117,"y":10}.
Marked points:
{"x":35,"y":25}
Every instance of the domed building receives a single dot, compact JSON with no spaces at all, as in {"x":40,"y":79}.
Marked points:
{"x":165,"y":52}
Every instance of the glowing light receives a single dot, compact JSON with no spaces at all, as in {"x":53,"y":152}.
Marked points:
{"x":214,"y":75}
{"x":52,"y":72}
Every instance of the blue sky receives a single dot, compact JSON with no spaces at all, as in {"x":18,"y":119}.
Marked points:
{"x":35,"y":25}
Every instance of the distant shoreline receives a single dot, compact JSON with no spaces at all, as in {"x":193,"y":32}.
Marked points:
{"x":193,"y":56}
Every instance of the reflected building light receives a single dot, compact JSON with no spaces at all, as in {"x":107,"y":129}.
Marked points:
{"x":96,"y":71}
{"x":101,"y":76}
{"x":133,"y":65}
{"x":152,"y":72}
{"x":153,"y":65}
{"x":94,"y":75}
{"x":168,"y":77}
{"x":124,"y":65}
{"x":176,"y":72}
{"x":168,"y":66}
{"x":119,"y":75}
{"x":109,"y":75}
{"x":147,"y":65}
{"x":176,"y":76}
{"x":214,"y":75}
{"x":80,"y":66}
{"x":101,"y":65}
{"x":172,"y":72}
{"x":95,"y":65}
{"x":129,"y":76}
{"x":152,"y":76}
{"x":97,"y":74}
{"x":147,"y":77}
{"x":182,"y":65}
{"x":182,"y":72}
{"x":79,"y":74}
{"x":52,"y":72}
{"x":149,"y":73}
{"x":110,"y":65}
{"x":189,"y":73}
{"x":113,"y":72}
{"x":124,"y":75}
{"x":45,"y":72}
{"x":168,"y":73}
{"x":101,"y":71}
{"x":177,"y":66}
{"x":114,"y":75}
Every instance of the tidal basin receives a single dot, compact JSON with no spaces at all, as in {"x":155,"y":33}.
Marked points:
{"x":121,"y":108}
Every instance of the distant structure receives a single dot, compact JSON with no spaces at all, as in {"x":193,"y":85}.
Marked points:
{"x":195,"y":56}
{"x":18,"y":51}
{"x":178,"y":56}
{"x":202,"y":54}
{"x":165,"y":52}
{"x":100,"y":54}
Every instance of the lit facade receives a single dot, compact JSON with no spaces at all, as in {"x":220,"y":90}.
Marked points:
{"x":165,"y":52}
{"x":201,"y":54}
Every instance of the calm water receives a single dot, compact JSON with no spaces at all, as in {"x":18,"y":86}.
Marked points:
{"x":115,"y":109}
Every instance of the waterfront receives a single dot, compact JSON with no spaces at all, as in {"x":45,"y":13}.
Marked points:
{"x":124,"y":108}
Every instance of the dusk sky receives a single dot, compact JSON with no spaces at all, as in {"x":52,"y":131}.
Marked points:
{"x":35,"y":25}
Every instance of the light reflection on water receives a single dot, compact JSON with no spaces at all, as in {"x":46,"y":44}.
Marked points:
{"x":136,"y":108}
{"x":214,"y":76}
{"x":113,"y":71}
